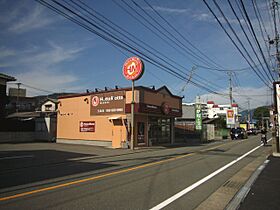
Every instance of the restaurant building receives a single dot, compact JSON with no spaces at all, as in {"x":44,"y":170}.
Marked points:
{"x":104,"y":117}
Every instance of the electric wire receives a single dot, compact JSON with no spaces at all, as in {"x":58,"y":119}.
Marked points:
{"x":117,"y":42}
{"x":233,"y":42}
{"x":162,"y":29}
{"x":155,"y":30}
{"x":247,"y":38}
{"x":124,"y":32}
{"x":269,"y":15}
{"x":255,"y":36}
{"x":180,"y":34}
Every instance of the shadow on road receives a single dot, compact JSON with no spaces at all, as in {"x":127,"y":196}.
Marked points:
{"x":25,"y":167}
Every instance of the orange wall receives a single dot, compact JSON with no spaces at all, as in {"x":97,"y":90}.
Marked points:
{"x":72,"y":111}
{"x":75,"y":109}
{"x":128,"y":96}
{"x":153,"y":98}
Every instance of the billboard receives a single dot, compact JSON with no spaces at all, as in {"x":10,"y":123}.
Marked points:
{"x":108,"y":103}
{"x":230,"y":117}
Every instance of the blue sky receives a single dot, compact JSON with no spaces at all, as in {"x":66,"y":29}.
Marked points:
{"x":44,"y":50}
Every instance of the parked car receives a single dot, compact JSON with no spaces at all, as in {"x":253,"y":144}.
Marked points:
{"x":238,"y":133}
{"x":252,"y":131}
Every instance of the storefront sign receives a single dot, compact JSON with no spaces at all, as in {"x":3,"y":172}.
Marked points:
{"x":165,"y":108}
{"x":198,"y":117}
{"x":108,"y":103}
{"x":230,"y":117}
{"x":133,"y":68}
{"x":87,"y":126}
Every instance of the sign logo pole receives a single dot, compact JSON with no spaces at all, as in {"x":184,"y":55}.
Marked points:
{"x":133,"y":69}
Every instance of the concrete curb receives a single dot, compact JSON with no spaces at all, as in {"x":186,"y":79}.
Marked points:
{"x":241,"y":195}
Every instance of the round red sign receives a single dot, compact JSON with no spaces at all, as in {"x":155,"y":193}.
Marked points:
{"x":133,"y":68}
{"x":95,"y":101}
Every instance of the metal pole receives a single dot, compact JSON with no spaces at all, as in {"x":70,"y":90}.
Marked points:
{"x":275,"y":131}
{"x":132,"y":118}
{"x":17,"y":104}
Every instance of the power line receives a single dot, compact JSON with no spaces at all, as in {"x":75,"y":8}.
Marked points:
{"x":183,"y":37}
{"x":217,"y":19}
{"x":252,"y":28}
{"x":160,"y":34}
{"x":164,"y":30}
{"x":125,"y":33}
{"x":269,"y":16}
{"x":248,"y":40}
{"x":237,"y":37}
{"x":113,"y":39}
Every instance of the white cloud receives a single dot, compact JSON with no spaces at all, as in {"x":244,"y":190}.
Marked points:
{"x":207,"y":17}
{"x":256,"y":97}
{"x":57,"y":54}
{"x":41,"y":69}
{"x":4,"y":52}
{"x":34,"y":57}
{"x":170,"y":10}
{"x":33,"y":20}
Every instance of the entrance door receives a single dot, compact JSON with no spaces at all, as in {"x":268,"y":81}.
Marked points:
{"x":117,"y":133}
{"x":159,"y":130}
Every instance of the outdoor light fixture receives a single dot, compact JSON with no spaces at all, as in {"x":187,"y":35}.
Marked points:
{"x":86,"y":100}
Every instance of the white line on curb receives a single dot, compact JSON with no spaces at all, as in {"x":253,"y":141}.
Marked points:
{"x":195,"y":185}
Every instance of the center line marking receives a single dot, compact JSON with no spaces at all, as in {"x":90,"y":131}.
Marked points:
{"x":103,"y":175}
{"x":198,"y":183}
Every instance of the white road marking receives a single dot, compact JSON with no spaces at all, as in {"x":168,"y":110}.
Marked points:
{"x":198,"y":183}
{"x":17,"y":157}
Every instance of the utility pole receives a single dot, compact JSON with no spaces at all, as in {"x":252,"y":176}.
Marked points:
{"x":18,"y":88}
{"x":248,"y":111}
{"x":275,"y":41}
{"x":230,"y":87}
{"x":275,"y":6}
{"x":188,"y":80}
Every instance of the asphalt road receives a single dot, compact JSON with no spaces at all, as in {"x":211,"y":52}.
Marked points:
{"x":50,"y":176}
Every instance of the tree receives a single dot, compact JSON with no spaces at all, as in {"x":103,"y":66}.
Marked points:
{"x":261,"y":112}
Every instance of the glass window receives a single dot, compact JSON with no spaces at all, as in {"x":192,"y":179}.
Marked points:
{"x":159,"y":130}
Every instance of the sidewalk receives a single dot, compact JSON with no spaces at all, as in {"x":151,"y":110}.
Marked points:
{"x":265,"y":192}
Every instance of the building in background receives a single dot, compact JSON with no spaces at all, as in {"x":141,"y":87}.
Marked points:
{"x":49,"y":105}
{"x":17,"y":92}
{"x":3,"y":88}
{"x":216,"y":110}
{"x":104,"y":117}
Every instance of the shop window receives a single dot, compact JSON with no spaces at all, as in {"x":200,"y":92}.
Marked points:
{"x":159,"y":130}
{"x":140,"y":132}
